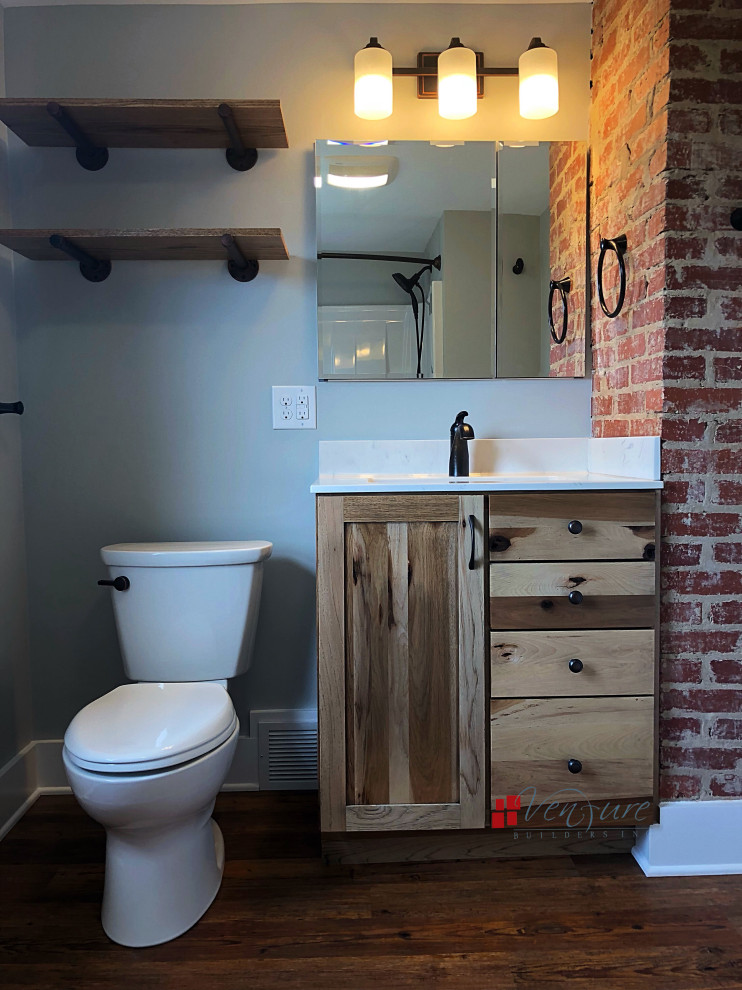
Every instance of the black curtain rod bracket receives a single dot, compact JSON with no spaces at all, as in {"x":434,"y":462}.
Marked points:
{"x":240,"y":268}
{"x":11,"y":407}
{"x":88,"y":154}
{"x":92,"y":269}
{"x":240,"y":158}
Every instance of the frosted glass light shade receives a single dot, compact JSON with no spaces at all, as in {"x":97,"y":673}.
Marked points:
{"x":457,"y":82}
{"x":373,"y":88}
{"x":539,"y":81}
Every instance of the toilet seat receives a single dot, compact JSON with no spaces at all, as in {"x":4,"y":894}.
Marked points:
{"x":138,"y":727}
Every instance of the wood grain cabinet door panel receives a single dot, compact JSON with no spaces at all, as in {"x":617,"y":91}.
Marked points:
{"x":532,"y":742}
{"x":614,"y":525}
{"x":402,"y":695}
{"x":563,"y":663}
{"x":540,"y":596}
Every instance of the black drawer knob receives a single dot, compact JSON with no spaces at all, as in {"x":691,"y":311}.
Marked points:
{"x":575,"y":527}
{"x":119,"y":584}
{"x":575,"y":666}
{"x":574,"y":766}
{"x":576,"y":598}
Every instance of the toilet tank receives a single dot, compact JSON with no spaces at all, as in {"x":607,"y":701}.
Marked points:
{"x":191,"y":609}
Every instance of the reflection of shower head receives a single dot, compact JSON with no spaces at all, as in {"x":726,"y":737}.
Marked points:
{"x":407,"y":285}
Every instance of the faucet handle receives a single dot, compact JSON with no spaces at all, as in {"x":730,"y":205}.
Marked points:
{"x":466,"y":430}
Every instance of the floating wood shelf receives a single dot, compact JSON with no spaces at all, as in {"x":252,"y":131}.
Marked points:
{"x":95,"y":249}
{"x":240,"y":126}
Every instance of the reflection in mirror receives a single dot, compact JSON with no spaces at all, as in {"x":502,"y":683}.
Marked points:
{"x":405,"y":236}
{"x":424,"y":249}
{"x":542,"y":251}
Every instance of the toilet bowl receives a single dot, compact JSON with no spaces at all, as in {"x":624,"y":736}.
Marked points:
{"x":148,"y":759}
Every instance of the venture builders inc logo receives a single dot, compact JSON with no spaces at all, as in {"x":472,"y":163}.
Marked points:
{"x":566,"y":809}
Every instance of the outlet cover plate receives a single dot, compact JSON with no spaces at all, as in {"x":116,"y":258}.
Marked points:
{"x":294,"y":407}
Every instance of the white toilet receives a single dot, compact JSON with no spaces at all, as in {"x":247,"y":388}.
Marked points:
{"x":148,"y":759}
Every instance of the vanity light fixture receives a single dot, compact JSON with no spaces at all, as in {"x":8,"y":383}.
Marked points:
{"x":373,"y":89}
{"x":457,"y":82}
{"x":539,"y":81}
{"x":455,"y":78}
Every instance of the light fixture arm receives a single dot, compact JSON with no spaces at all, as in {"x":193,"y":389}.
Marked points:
{"x":428,"y":73}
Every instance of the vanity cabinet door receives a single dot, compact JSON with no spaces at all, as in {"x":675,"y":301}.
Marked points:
{"x":401,"y":634}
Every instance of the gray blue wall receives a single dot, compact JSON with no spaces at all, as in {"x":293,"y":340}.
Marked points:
{"x":15,"y":702}
{"x":148,"y":395}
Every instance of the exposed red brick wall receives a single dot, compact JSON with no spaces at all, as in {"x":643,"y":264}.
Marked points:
{"x":567,"y":211}
{"x":628,"y":128}
{"x":702,"y":419}
{"x":686,"y":302}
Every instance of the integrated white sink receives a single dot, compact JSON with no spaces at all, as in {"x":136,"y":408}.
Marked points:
{"x":496,"y":465}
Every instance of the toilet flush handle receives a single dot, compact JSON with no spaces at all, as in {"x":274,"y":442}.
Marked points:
{"x":120,"y":583}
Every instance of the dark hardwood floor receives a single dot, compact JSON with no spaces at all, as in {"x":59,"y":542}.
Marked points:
{"x":284,"y":920}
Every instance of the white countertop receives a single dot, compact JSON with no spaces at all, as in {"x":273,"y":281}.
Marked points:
{"x":553,"y":464}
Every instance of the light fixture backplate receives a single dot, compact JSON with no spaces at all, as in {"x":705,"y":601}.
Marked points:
{"x":427,"y":85}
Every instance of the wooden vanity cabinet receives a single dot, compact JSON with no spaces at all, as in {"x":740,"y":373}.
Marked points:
{"x":451,"y":678}
{"x":402,"y":662}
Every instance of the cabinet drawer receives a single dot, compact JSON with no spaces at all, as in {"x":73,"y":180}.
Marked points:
{"x":613,"y":661}
{"x":612,"y":738}
{"x":608,"y":526}
{"x":603,"y":595}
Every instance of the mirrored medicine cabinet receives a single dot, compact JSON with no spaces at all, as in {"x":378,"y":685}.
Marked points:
{"x":439,"y":260}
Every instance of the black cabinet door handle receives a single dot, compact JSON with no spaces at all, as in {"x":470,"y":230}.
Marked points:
{"x":472,"y":526}
{"x":575,"y":527}
{"x":575,"y":666}
{"x":576,"y":598}
{"x":574,"y":766}
{"x":119,"y":584}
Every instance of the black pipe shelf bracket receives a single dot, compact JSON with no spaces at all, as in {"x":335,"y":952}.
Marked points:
{"x":563,"y":286}
{"x":92,"y":269}
{"x":240,"y":268}
{"x":11,"y":407}
{"x":617,"y":245}
{"x":240,"y":158}
{"x":88,"y":154}
{"x":736,"y":218}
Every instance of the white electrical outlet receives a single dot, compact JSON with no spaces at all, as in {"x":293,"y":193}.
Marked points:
{"x":294,"y":407}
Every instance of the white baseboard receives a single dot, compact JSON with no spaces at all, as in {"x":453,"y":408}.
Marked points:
{"x":243,"y":774}
{"x":18,"y":786}
{"x":38,"y":769}
{"x":693,"y":838}
{"x":50,"y":775}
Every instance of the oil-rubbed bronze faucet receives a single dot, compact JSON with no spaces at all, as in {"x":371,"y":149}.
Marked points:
{"x":458,"y":462}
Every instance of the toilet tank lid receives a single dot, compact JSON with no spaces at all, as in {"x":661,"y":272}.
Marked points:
{"x":186,"y":554}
